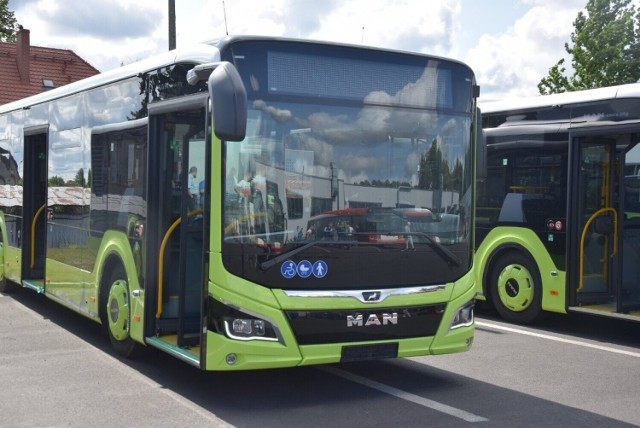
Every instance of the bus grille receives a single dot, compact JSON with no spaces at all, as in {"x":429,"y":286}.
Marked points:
{"x":340,"y":326}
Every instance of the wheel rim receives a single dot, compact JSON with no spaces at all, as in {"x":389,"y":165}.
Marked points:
{"x":515,"y":287}
{"x":118,"y":310}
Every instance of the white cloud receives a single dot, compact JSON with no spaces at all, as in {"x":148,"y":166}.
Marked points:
{"x":510,"y":45}
{"x":511,"y":63}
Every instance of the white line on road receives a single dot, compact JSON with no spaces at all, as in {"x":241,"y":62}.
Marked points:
{"x":443,"y":408}
{"x":558,"y":339}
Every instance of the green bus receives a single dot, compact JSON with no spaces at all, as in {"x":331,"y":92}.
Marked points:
{"x":165,"y":200}
{"x":558,"y":214}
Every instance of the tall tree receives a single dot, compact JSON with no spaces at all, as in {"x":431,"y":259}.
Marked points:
{"x":605,"y":49}
{"x":8,"y":23}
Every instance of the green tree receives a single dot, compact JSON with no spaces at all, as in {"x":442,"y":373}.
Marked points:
{"x":56,"y":181}
{"x":605,"y":49}
{"x":8,"y":23}
{"x":434,"y":169}
{"x":79,"y":179}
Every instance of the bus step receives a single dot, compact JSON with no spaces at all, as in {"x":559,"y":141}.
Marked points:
{"x":191,"y":356}
{"x":170,"y":325}
{"x":34,"y":284}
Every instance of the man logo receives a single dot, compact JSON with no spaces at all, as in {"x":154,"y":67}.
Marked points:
{"x":372,"y":319}
{"x":371,"y":296}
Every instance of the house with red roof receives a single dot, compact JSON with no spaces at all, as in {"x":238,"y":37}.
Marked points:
{"x":28,"y":70}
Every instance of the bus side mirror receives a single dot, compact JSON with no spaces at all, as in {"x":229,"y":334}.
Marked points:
{"x":228,"y":102}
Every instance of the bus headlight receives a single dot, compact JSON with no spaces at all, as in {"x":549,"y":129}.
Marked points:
{"x":248,"y":329}
{"x":239,"y":325}
{"x":463,"y":317}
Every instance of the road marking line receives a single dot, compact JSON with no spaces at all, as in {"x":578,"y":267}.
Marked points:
{"x":443,"y":408}
{"x":558,"y":339}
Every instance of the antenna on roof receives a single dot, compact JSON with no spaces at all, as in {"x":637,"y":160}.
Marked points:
{"x":224,"y":11}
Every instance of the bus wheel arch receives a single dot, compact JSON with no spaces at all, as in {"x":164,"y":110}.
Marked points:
{"x":514,"y":285}
{"x":115,"y":307}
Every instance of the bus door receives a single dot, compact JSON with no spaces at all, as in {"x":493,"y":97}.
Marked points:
{"x":629,"y":299}
{"x":34,"y":196}
{"x":179,"y":167}
{"x":609,"y":238}
{"x":597,"y":218}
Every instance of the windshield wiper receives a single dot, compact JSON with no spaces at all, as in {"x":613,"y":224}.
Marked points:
{"x":277,"y":259}
{"x":440,"y":249}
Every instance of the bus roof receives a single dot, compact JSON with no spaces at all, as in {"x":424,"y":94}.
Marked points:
{"x":631,"y":90}
{"x":205,"y":52}
{"x":200,"y":53}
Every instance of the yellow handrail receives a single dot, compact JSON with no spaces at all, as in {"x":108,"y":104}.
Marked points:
{"x":584,"y":235}
{"x":33,"y":235}
{"x":163,"y":245}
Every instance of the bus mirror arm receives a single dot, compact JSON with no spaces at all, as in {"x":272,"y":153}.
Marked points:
{"x":228,"y":98}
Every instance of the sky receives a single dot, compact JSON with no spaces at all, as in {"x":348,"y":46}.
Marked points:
{"x":510,"y":44}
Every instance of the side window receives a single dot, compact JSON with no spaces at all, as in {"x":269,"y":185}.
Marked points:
{"x":118,"y":160}
{"x":294,"y":207}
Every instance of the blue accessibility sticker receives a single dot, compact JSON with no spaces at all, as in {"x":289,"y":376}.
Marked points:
{"x":319,"y":269}
{"x":304,"y":269}
{"x":288,"y":269}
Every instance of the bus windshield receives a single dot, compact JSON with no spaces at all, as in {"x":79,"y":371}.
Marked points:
{"x":363,"y":152}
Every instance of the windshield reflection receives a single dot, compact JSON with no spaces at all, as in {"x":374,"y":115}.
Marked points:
{"x":308,"y":172}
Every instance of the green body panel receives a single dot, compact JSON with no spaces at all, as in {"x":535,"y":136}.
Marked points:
{"x":215,"y":230}
{"x":78,"y":288}
{"x":270,"y":305}
{"x":11,"y":256}
{"x":2,"y":275}
{"x":117,"y":243}
{"x":72,"y":287}
{"x":553,"y":280}
{"x":12,"y":263}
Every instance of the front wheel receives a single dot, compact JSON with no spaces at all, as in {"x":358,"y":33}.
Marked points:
{"x":117,"y":314}
{"x":515,"y":288}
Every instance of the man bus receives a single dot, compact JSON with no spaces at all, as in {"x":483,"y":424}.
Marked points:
{"x":558,"y":226}
{"x":97,"y":216}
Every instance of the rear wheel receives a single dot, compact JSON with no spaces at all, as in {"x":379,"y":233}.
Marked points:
{"x":516,"y":289}
{"x":117,"y":315}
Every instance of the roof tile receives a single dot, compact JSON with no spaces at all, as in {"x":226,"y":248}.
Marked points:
{"x":62,"y":66}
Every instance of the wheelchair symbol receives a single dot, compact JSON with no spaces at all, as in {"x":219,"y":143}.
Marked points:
{"x":288,"y":269}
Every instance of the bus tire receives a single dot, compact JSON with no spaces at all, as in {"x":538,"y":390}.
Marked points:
{"x":117,"y":312}
{"x":515,"y":288}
